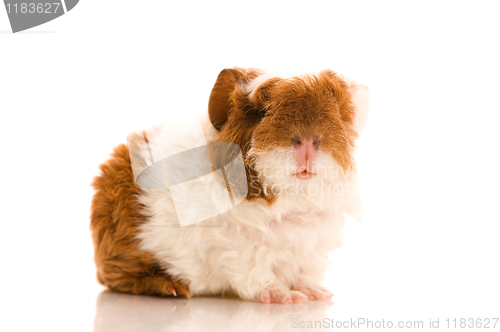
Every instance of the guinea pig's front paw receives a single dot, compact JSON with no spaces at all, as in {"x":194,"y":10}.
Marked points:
{"x":316,"y":293}
{"x":281,"y":295}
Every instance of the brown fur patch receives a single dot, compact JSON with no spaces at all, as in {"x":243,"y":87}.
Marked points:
{"x":314,"y":105}
{"x":115,"y":216}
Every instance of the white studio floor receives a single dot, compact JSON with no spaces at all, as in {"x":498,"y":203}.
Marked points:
{"x":121,"y":312}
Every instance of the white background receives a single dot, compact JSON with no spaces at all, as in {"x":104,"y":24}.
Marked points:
{"x":72,"y":89}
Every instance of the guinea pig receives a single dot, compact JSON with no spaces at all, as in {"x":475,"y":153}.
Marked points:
{"x":296,"y":136}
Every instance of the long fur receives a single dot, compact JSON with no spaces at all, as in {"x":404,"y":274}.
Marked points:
{"x":273,"y":246}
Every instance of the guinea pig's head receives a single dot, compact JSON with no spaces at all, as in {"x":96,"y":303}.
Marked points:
{"x":296,"y":134}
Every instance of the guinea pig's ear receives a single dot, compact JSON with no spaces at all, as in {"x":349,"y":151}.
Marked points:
{"x":361,"y":105}
{"x":359,"y":99}
{"x":219,"y":103}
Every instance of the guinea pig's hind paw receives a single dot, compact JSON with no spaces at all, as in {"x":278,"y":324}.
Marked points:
{"x":173,"y":288}
{"x":181,"y":289}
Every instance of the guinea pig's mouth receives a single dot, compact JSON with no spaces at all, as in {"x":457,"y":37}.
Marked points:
{"x":304,"y":174}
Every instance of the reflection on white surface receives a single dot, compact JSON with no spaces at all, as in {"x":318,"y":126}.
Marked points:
{"x":124,"y":312}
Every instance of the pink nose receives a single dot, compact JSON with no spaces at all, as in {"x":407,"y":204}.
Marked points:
{"x":305,"y":149}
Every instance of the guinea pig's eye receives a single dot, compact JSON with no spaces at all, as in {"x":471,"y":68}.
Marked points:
{"x":263,"y":114}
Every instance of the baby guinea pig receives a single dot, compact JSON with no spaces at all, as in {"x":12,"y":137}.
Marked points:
{"x":296,"y":135}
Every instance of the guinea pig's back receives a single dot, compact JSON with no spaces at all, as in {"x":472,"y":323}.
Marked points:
{"x":116,"y":215}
